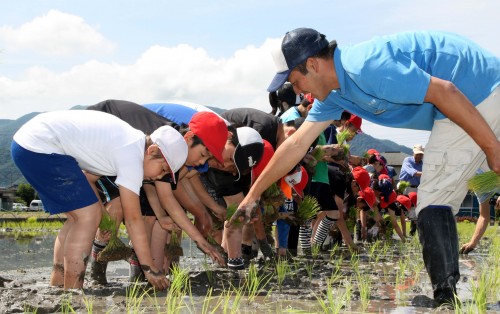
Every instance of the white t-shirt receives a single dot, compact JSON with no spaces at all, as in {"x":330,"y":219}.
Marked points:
{"x":101,"y":143}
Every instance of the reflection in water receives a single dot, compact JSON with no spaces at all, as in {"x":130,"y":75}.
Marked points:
{"x":36,"y":250}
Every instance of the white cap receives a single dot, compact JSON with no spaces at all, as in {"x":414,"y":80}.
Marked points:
{"x":172,"y":146}
{"x":418,"y":149}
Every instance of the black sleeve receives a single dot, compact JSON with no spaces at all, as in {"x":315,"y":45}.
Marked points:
{"x":223,"y":182}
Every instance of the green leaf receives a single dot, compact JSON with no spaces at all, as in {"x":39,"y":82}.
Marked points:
{"x":486,"y":182}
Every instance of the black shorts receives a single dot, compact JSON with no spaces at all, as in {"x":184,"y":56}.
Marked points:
{"x":395,"y":208}
{"x":324,"y":195}
{"x":107,"y":189}
{"x":146,"y":208}
{"x":338,"y":181}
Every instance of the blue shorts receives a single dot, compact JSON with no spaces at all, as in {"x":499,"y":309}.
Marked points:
{"x":57,"y":179}
{"x":283,"y":232}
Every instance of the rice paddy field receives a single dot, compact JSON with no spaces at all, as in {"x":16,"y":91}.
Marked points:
{"x":383,"y":278}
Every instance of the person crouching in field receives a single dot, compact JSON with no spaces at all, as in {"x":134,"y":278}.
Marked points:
{"x":62,"y":154}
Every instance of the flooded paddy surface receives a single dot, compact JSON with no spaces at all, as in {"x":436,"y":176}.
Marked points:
{"x":380,"y":279}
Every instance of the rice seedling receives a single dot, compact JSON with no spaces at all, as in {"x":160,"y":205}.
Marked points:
{"x":254,"y":283}
{"x":417,"y":266}
{"x":173,"y":248}
{"x":315,"y":250}
{"x":484,"y":182}
{"x":66,"y":304}
{"x":208,"y":271}
{"x":402,"y":185}
{"x":401,"y":273}
{"x":153,"y":300}
{"x":33,"y":226}
{"x":89,"y":303}
{"x":28,"y":309}
{"x":282,"y":269}
{"x":479,"y":289}
{"x":115,"y":250}
{"x":179,"y":287}
{"x":134,"y":297}
{"x":348,"y":291}
{"x":364,"y":286}
{"x":334,"y":300}
{"x":273,"y":196}
{"x":207,"y":302}
{"x":337,"y":263}
{"x":333,"y":251}
{"x":341,"y":140}
{"x":492,"y":283}
{"x":307,"y":210}
{"x":230,"y":210}
{"x":336,"y":275}
{"x":354,"y":262}
{"x":234,"y":295}
{"x":373,"y":251}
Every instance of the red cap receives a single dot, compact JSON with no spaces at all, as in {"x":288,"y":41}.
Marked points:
{"x":368,"y":196}
{"x":266,"y":156}
{"x":405,"y":201}
{"x":392,"y":199}
{"x":309,"y":98}
{"x":297,"y":181}
{"x":212,"y":130}
{"x":384,"y":176}
{"x":372,"y":151}
{"x":356,"y":122}
{"x":361,"y":176}
{"x":413,"y":198}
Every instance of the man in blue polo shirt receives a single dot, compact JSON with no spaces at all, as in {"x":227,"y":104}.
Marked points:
{"x":411,"y":170}
{"x":419,"y":80}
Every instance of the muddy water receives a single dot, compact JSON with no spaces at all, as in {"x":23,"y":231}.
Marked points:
{"x":27,"y":262}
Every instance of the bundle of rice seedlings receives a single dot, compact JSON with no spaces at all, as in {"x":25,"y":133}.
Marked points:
{"x":318,"y":153}
{"x":402,"y":185}
{"x":230,"y":210}
{"x":308,"y":209}
{"x":273,"y":196}
{"x":115,"y":250}
{"x":173,"y":248}
{"x":486,"y":182}
{"x":270,"y":214}
{"x":341,"y":140}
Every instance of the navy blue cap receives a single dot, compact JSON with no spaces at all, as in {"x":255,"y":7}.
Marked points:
{"x":297,"y":45}
{"x":386,"y":188}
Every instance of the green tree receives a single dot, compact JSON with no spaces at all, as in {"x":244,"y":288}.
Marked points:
{"x":26,"y":192}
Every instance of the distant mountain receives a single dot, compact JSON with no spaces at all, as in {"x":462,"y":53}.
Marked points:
{"x":9,"y":174}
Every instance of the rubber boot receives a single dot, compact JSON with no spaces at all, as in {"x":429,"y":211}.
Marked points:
{"x":413,"y":227}
{"x":266,"y":249}
{"x":98,"y":269}
{"x":246,"y":253}
{"x":437,"y":232}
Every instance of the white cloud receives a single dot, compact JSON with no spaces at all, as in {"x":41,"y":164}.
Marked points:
{"x":55,"y":34}
{"x":159,"y":74}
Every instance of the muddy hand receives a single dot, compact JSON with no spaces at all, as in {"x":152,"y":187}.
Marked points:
{"x":467,"y":248}
{"x":212,"y":252}
{"x":243,"y":214}
{"x":355,"y":248}
{"x":155,"y":277}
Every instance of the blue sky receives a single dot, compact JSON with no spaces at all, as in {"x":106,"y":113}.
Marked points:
{"x":58,"y":54}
